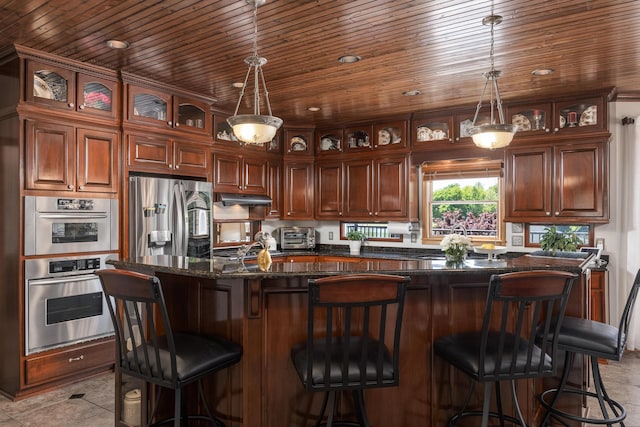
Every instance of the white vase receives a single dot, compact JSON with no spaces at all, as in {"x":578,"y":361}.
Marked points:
{"x":354,"y":247}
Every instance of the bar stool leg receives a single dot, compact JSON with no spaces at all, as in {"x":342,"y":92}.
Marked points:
{"x":568,"y":364}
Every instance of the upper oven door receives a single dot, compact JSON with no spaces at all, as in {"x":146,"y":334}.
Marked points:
{"x":51,"y":229}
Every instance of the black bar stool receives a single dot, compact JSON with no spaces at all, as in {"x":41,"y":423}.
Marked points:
{"x":598,"y":341}
{"x":148,"y":349}
{"x":521,"y":306}
{"x":353,"y":339}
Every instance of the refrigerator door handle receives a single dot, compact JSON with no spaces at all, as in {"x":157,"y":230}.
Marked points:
{"x":181,"y":236}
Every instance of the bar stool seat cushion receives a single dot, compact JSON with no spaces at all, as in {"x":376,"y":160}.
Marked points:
{"x":354,"y":351}
{"x":589,"y":337}
{"x":462,"y":351}
{"x":195,"y":354}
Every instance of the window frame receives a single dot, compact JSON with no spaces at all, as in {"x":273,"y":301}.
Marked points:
{"x":449,"y":169}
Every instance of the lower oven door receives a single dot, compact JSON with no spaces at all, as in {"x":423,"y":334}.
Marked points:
{"x":65,"y":310}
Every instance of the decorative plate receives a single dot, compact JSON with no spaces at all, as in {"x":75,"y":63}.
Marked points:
{"x":522,"y":121}
{"x":589,"y":116}
{"x":424,"y":134}
{"x":298,"y":144}
{"x":465,"y":126}
{"x":327,"y":143}
{"x":384,"y":137}
{"x":41,"y":89}
{"x":563,"y":122}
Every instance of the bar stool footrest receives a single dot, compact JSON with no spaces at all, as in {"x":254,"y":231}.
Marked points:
{"x":496,"y":415}
{"x":614,"y":406}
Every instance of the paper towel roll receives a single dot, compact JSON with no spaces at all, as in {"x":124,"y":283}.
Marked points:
{"x":400,"y":227}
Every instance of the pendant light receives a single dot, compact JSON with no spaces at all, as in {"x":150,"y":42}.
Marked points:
{"x":255,"y":128}
{"x":493,"y":135}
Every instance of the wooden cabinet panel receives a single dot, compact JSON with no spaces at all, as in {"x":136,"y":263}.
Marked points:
{"x":239,"y":174}
{"x":329,"y":182}
{"x":149,"y":153}
{"x":358,"y":189}
{"x":274,"y":188}
{"x":298,"y":190}
{"x":391,"y":187}
{"x":562,"y":181}
{"x":528,"y":182}
{"x":50,"y":157}
{"x":580,"y":181}
{"x":63,"y":158}
{"x":158,"y":154}
{"x":254,"y":171}
{"x":98,"y":164}
{"x":598,"y":293}
{"x":191,"y":159}
{"x":97,"y":96}
{"x":70,"y":361}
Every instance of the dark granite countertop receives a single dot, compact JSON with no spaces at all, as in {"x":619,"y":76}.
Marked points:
{"x":223,"y":268}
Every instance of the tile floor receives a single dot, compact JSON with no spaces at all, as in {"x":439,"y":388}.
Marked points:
{"x":90,"y":403}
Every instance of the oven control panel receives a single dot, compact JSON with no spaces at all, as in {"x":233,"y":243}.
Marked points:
{"x":70,"y":265}
{"x":75,"y":204}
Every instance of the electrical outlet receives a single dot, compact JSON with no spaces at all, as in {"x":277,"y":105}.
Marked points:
{"x":331,"y":235}
{"x":414,"y":237}
{"x":600,"y":243}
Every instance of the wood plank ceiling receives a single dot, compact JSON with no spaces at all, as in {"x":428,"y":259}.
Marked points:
{"x":437,"y":47}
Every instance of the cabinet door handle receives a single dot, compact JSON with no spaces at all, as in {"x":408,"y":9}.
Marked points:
{"x":70,"y":187}
{"x":71,"y":105}
{"x":557,"y":213}
{"x":81,"y":187}
{"x":76,"y":359}
{"x":170,"y":123}
{"x":548,"y":213}
{"x":177,"y":124}
{"x":81,"y":106}
{"x":170,"y":166}
{"x":289,"y":213}
{"x":177,"y":167}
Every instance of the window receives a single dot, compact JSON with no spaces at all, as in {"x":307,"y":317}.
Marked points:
{"x":373,"y":231}
{"x":462,"y":196}
{"x":534,"y":232}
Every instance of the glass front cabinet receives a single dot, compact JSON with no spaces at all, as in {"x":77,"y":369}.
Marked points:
{"x":158,"y":108}
{"x":58,"y":87}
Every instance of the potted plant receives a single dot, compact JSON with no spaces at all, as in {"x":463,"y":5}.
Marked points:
{"x":355,"y":238}
{"x":553,"y":241}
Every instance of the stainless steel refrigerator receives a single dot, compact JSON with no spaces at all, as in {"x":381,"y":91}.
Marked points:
{"x":169,"y":217}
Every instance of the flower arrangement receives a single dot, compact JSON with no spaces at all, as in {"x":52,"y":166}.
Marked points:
{"x":455,"y":247}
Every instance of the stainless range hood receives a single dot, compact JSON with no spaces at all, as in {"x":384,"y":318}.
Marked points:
{"x":230,"y":199}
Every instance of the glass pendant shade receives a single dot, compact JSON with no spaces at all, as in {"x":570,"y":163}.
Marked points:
{"x":493,"y":136}
{"x":254,"y":129}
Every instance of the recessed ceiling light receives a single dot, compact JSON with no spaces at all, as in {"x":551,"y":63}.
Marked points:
{"x":314,"y":109}
{"x":237,"y":85}
{"x":542,"y":71}
{"x":118,"y":44}
{"x":414,"y":92}
{"x":349,"y":59}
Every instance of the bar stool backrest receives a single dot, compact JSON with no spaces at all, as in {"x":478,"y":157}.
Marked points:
{"x":354,"y":323}
{"x":144,"y":339}
{"x":523,"y":315}
{"x":625,"y":320}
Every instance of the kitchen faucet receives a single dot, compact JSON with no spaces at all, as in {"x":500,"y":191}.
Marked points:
{"x":457,"y":227}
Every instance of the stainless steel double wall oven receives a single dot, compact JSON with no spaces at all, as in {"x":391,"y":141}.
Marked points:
{"x":64,"y":303}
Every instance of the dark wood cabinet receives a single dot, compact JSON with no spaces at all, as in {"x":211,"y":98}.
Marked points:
{"x":329,"y":189}
{"x":274,"y":189}
{"x":159,"y":154}
{"x":557,"y":183}
{"x":239,"y":173}
{"x":298,"y":194}
{"x":63,"y":88}
{"x":598,"y":295}
{"x":160,"y":108}
{"x":62,"y":158}
{"x":376,"y":189}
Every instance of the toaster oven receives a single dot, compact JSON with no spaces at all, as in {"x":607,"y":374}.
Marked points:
{"x":297,"y":238}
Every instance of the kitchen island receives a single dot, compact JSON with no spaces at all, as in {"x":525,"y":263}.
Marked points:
{"x":266,"y":313}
